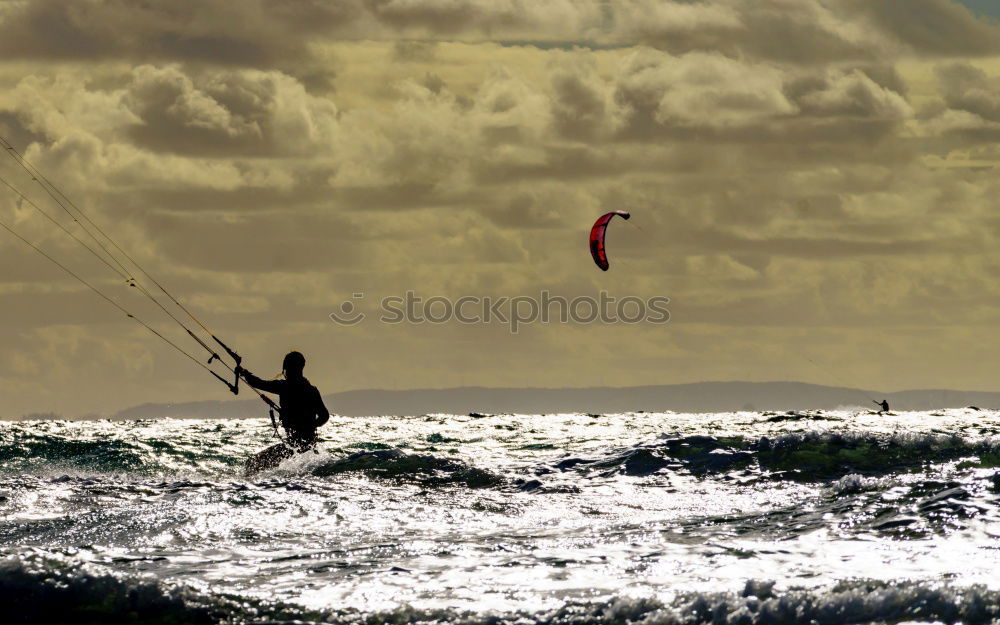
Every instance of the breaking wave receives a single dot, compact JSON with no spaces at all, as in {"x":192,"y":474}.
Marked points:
{"x":36,"y":589}
{"x":798,"y":456}
{"x":424,"y":469}
{"x":801,"y":456}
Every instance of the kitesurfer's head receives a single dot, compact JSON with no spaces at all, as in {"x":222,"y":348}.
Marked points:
{"x":293,"y":364}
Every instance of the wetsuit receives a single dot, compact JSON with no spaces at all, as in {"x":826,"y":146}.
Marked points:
{"x":302,"y":411}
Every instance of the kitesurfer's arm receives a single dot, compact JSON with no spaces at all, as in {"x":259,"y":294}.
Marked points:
{"x":322,"y":414}
{"x":270,"y":386}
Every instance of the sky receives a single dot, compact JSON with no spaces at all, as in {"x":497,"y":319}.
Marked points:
{"x":811,"y":182}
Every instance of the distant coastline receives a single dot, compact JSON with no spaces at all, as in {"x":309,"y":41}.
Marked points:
{"x":696,"y":397}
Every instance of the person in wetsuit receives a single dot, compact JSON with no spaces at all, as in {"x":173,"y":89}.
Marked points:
{"x":302,"y":412}
{"x":883,"y":406}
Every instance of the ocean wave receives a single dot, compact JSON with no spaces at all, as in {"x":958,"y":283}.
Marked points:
{"x":51,"y":589}
{"x":424,"y":469}
{"x":853,"y":507}
{"x":99,"y":455}
{"x":55,"y":447}
{"x":824,"y":455}
{"x":819,"y":455}
{"x":800,"y":456}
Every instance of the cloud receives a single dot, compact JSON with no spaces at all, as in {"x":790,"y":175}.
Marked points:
{"x":264,"y":33}
{"x":185,"y":29}
{"x":970,"y":89}
{"x":493,"y":18}
{"x":853,"y":94}
{"x":797,"y":169}
{"x":244,"y":112}
{"x":930,"y":27}
{"x":581,"y":100}
{"x":715,"y":97}
{"x":808,"y":31}
{"x":284,"y":34}
{"x":970,"y":104}
{"x":795,"y":31}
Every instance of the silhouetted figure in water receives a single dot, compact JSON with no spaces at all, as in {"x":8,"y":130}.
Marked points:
{"x":302,"y":411}
{"x":883,"y":407}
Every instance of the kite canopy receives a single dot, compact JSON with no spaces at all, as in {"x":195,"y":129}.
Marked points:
{"x":597,"y":237}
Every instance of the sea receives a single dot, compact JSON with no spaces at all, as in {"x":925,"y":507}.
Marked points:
{"x":819,"y":517}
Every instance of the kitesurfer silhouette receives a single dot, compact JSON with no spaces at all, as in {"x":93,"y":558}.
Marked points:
{"x":883,"y":406}
{"x":302,"y":412}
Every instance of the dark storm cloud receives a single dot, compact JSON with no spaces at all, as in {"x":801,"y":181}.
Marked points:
{"x":798,"y":31}
{"x":930,"y":27}
{"x":884,"y":75}
{"x":579,"y":103}
{"x":969,"y":111}
{"x":280,"y":33}
{"x":15,"y":131}
{"x":256,"y":33}
{"x":767,"y":148}
{"x":970,"y":89}
{"x":807,"y":31}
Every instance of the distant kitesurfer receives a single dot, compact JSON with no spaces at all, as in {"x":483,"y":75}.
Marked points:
{"x":302,"y":412}
{"x":883,"y":406}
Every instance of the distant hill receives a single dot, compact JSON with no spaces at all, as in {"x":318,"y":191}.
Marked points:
{"x":699,"y":397}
